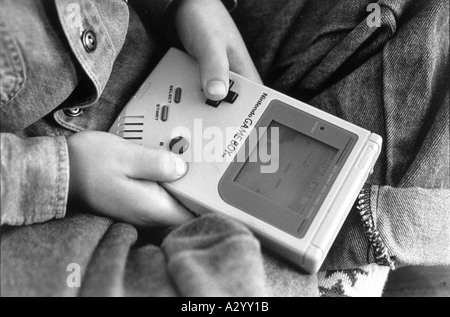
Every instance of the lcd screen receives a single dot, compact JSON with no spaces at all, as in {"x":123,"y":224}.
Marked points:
{"x":304,"y":164}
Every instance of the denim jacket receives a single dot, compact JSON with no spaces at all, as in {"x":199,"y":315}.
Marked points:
{"x":53,"y":50}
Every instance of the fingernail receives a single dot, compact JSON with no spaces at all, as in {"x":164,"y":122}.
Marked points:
{"x":217,"y":88}
{"x":181,"y":167}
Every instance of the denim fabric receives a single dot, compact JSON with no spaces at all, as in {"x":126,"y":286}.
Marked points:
{"x":37,"y":54}
{"x":212,"y":256}
{"x":109,"y":22}
{"x":33,"y":189}
{"x":42,"y":78}
{"x":35,"y":259}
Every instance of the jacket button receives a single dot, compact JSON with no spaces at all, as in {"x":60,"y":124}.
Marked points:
{"x":231,"y":5}
{"x":89,"y":41}
{"x":73,"y":112}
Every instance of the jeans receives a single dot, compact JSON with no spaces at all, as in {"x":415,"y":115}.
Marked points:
{"x":392,"y":79}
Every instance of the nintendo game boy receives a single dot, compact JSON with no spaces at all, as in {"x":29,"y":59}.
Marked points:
{"x":287,"y":170}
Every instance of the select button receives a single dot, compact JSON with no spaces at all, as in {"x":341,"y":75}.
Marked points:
{"x":178,"y":93}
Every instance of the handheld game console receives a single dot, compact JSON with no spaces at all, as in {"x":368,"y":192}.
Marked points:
{"x":287,"y":170}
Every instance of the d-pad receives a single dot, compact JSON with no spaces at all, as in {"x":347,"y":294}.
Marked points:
{"x":230,"y":98}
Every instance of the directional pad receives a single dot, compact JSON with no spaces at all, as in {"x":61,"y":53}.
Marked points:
{"x":230,"y":98}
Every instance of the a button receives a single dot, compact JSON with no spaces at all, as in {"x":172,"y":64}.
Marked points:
{"x":179,"y":145}
{"x":73,"y":112}
{"x":165,"y":113}
{"x":89,"y":40}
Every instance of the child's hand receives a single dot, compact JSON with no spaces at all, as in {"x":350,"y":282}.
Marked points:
{"x":118,"y":179}
{"x":209,"y":34}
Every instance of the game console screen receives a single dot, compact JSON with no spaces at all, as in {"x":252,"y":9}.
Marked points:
{"x":304,"y":163}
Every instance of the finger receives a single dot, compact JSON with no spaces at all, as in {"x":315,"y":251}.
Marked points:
{"x":154,"y":164}
{"x":214,"y":69}
{"x":150,"y":205}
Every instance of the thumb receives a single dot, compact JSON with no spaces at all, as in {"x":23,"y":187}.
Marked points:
{"x":214,"y":70}
{"x":154,"y":165}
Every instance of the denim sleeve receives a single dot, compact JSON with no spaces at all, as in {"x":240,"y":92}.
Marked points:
{"x":34,"y":179}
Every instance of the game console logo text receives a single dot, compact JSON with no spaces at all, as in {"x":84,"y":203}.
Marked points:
{"x":245,"y":143}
